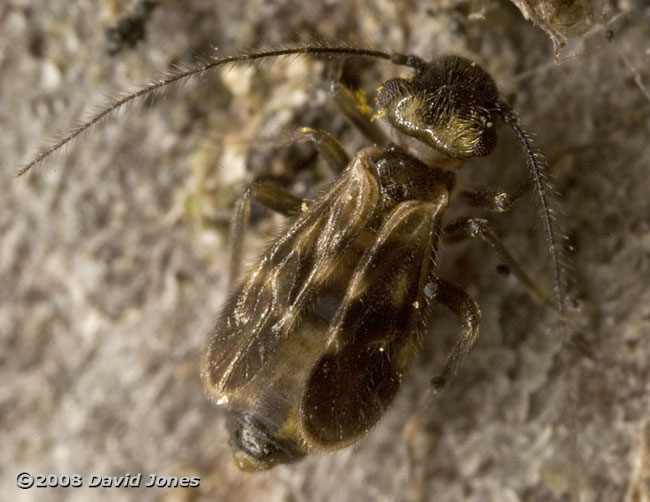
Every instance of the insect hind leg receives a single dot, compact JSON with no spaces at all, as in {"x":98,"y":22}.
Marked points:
{"x":469,"y":313}
{"x":278,"y":199}
{"x":271,"y":196}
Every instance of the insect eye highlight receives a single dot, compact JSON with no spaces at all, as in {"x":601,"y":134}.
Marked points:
{"x":487,"y":141}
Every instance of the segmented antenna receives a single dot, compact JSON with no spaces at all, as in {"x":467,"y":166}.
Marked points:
{"x":321,"y":49}
{"x":536,"y":167}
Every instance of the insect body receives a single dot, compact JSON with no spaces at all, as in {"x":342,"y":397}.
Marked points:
{"x":313,"y":343}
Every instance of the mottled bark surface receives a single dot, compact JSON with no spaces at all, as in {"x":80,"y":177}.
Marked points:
{"x":110,"y":278}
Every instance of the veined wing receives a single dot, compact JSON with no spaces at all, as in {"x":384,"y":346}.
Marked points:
{"x":375,"y":330}
{"x":266,"y":307}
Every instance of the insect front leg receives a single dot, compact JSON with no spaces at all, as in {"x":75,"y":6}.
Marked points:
{"x":466,"y":228}
{"x":326,"y":146}
{"x":495,"y":200}
{"x":354,"y":106}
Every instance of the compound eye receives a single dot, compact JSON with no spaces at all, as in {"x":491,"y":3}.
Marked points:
{"x":392,"y":90}
{"x":487,"y":142}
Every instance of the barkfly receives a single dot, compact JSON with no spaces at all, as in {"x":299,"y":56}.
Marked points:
{"x":314,"y":340}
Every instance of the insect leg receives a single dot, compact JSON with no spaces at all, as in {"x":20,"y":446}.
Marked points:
{"x":326,"y":146}
{"x":495,"y":200}
{"x":270,"y":196}
{"x":354,"y":106}
{"x":467,"y":310}
{"x":476,"y":227}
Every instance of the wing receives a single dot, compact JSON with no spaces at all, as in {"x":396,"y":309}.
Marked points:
{"x":267,"y":306}
{"x":374,"y":333}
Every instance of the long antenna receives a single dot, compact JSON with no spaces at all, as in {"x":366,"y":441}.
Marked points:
{"x":316,"y":49}
{"x":536,"y":167}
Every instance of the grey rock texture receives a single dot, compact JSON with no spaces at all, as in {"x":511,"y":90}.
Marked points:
{"x":113,"y":253}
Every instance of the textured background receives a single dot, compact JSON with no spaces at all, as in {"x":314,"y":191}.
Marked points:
{"x":110,"y":277}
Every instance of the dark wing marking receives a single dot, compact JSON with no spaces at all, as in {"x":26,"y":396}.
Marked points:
{"x":266,"y":307}
{"x":375,"y":331}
